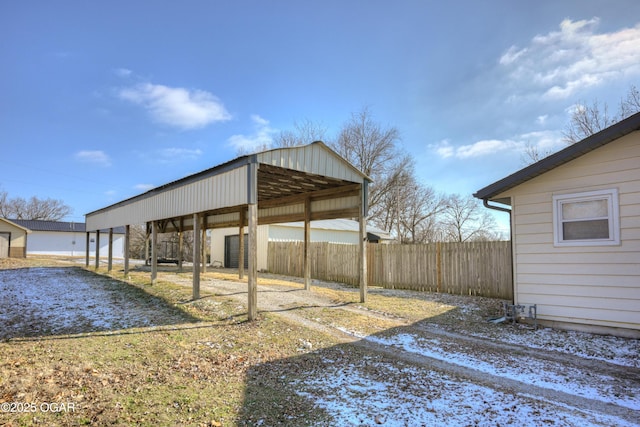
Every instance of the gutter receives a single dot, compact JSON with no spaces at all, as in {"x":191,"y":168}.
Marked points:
{"x":486,"y":204}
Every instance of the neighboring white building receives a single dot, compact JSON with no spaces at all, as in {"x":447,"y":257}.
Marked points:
{"x":68,"y":239}
{"x":225,"y":241}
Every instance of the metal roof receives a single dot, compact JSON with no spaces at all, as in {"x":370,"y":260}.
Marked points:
{"x":605,"y":136}
{"x":59,"y":226}
{"x":279,"y":180}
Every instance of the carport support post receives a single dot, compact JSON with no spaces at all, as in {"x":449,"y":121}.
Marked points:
{"x":196,"y":256}
{"x":363,"y":243}
{"x":253,"y":262}
{"x":97,"y":249}
{"x":307,"y":238}
{"x":110,"y":251}
{"x":88,"y":246}
{"x":243,"y":219}
{"x":154,"y":252}
{"x":127,"y":243}
{"x":180,"y":244}
{"x":203,"y":244}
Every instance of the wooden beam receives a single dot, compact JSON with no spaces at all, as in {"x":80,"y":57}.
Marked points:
{"x":196,"y":257}
{"x":154,"y":252}
{"x":253,"y":262}
{"x":243,"y":214}
{"x":180,"y":244}
{"x":340,"y":213}
{"x":329,"y":193}
{"x":127,"y":248}
{"x":88,"y":246}
{"x":110,"y":251}
{"x":362,"y":263}
{"x":97,"y":249}
{"x":203,"y":244}
{"x":307,"y":239}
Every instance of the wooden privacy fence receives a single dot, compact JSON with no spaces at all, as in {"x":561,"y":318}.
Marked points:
{"x":469,"y":268}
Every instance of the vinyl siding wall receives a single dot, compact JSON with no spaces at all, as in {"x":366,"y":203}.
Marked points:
{"x":591,"y":285}
{"x":18,"y":239}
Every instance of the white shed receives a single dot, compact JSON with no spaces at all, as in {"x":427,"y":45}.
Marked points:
{"x":575,"y":227}
{"x":225,"y":241}
{"x":66,"y":239}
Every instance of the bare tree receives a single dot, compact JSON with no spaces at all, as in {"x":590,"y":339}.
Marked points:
{"x":410,"y":210}
{"x":532,"y":154}
{"x":374,"y":150}
{"x":32,"y":209}
{"x":304,"y":132}
{"x":463,"y":219}
{"x":587,"y":120}
{"x":631,"y":104}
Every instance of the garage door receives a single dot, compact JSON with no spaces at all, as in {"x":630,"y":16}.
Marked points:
{"x":5,"y":238}
{"x":231,"y":246}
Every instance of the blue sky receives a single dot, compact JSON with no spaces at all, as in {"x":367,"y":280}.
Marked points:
{"x":100,"y":101}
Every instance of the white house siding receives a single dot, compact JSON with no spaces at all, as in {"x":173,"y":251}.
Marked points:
{"x":62,"y":243}
{"x":278,"y":233}
{"x":217,"y":244}
{"x":591,"y":285}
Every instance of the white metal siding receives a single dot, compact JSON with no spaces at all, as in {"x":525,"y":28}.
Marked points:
{"x":72,"y":244}
{"x":219,"y":191}
{"x":598,"y":285}
{"x":281,"y":233}
{"x":315,"y":159}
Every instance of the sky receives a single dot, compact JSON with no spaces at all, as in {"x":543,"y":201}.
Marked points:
{"x":101,"y":101}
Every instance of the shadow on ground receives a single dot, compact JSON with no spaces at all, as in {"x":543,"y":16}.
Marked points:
{"x":48,"y":301}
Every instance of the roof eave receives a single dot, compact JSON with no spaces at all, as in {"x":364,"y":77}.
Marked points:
{"x":597,"y":140}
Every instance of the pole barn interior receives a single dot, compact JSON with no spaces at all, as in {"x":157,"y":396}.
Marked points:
{"x":303,"y":183}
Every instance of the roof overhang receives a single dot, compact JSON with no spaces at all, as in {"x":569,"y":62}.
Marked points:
{"x":493,"y":191}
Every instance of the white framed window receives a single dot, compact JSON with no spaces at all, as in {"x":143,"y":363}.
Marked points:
{"x":586,"y":219}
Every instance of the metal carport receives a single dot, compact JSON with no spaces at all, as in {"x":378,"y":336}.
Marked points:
{"x":302,"y":183}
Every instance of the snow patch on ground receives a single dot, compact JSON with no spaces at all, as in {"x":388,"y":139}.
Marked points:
{"x":50,"y":301}
{"x":374,"y":392}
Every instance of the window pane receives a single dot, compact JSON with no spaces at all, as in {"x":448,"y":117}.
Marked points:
{"x":580,"y":230}
{"x":585,"y":209}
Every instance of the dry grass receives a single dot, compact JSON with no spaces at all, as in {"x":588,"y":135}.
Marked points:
{"x":212,"y":369}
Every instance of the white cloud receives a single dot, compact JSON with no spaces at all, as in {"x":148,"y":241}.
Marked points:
{"x":443,"y":148}
{"x":93,"y":156}
{"x":546,"y":141}
{"x":541,"y":120}
{"x":478,"y":149}
{"x":123,"y":72}
{"x":483,"y":148}
{"x":261,"y":138}
{"x":178,"y":107}
{"x":178,"y":154}
{"x":143,"y":187}
{"x":561,"y":63}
